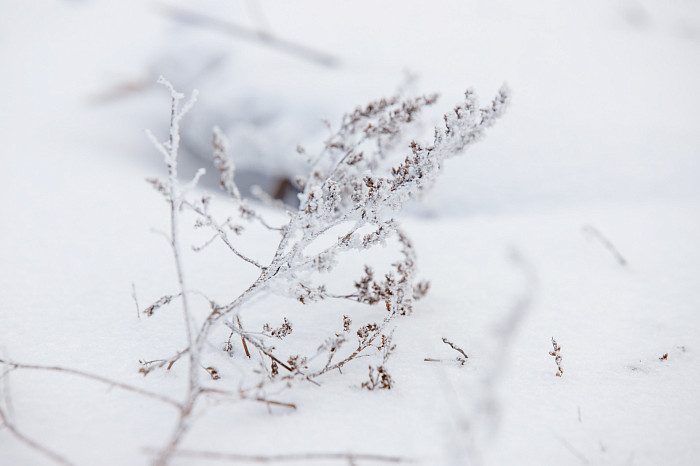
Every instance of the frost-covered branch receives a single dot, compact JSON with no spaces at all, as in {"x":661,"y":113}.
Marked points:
{"x":174,"y":194}
{"x":351,"y":183}
{"x":355,"y":185}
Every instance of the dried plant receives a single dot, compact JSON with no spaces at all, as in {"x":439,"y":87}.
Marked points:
{"x":353,"y":186}
{"x":379,"y":378}
{"x":556,"y":353}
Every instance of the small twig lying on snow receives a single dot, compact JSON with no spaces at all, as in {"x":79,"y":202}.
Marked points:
{"x":298,"y":50}
{"x":460,"y":359}
{"x":97,"y":378}
{"x":351,"y":458}
{"x":456,"y":348}
{"x":593,"y":232}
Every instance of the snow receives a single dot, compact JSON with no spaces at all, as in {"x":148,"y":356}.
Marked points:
{"x":603,"y":132}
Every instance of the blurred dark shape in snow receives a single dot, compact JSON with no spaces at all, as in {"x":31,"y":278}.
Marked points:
{"x":261,"y":90}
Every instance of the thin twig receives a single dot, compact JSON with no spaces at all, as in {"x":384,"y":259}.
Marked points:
{"x":136,"y":301}
{"x":218,"y":229}
{"x":90,"y":376}
{"x":455,"y":347}
{"x":289,"y":457}
{"x":276,"y":403}
{"x":595,"y":233}
{"x":242,"y":395}
{"x":162,"y":362}
{"x":457,"y":360}
{"x":198,"y":19}
{"x":206,"y":243}
{"x":245,"y":346}
{"x":6,"y":394}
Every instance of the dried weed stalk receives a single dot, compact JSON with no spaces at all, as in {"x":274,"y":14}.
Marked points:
{"x":353,"y":186}
{"x":556,"y":353}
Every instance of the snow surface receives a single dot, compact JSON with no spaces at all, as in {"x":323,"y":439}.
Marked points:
{"x":604,"y":132}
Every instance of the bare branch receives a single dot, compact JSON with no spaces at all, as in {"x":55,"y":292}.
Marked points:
{"x":352,"y":458}
{"x":98,"y":378}
{"x":298,"y":50}
{"x":456,"y":348}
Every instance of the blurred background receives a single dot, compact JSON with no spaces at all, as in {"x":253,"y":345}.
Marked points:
{"x":606,"y":101}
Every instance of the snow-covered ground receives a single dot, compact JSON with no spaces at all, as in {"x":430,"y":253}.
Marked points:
{"x":601,"y":144}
